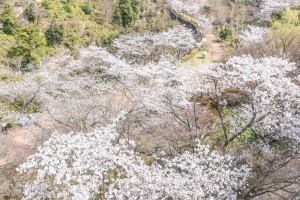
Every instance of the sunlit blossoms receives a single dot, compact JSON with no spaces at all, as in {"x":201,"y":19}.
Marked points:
{"x":142,"y":77}
{"x":179,"y":6}
{"x":270,"y":6}
{"x":253,"y":35}
{"x":93,"y":165}
{"x":271,"y":100}
{"x":190,"y":10}
{"x":146,"y":46}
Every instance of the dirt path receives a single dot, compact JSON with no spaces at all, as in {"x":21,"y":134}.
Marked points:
{"x":15,"y":147}
{"x":215,"y":47}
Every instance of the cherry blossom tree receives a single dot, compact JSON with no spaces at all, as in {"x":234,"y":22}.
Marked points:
{"x":190,"y":10}
{"x":253,"y":35}
{"x":108,"y":99}
{"x":180,"y":6}
{"x":136,"y":47}
{"x":21,"y":97}
{"x":263,"y":101}
{"x":275,"y":174}
{"x":267,"y":7}
{"x":75,"y":166}
{"x":99,"y":82}
{"x":271,"y":100}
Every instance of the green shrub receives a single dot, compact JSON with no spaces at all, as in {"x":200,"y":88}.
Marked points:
{"x":71,"y":41}
{"x":86,"y":9}
{"x":248,"y":137}
{"x":9,"y":125}
{"x":68,"y":8}
{"x":10,"y":77}
{"x":108,"y":38}
{"x":169,"y":198}
{"x":30,"y":45}
{"x":54,"y":34}
{"x":21,"y":104}
{"x":151,"y":14}
{"x":8,"y":20}
{"x":6,"y":43}
{"x":225,"y":33}
{"x":47,"y":4}
{"x":29,"y":12}
{"x":277,"y":15}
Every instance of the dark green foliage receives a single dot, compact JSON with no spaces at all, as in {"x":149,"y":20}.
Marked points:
{"x":8,"y":20}
{"x":108,"y":38}
{"x":86,"y":9}
{"x":126,"y":12}
{"x":169,"y":198}
{"x":54,"y":34}
{"x":30,"y":45}
{"x":9,"y":125}
{"x":225,"y":33}
{"x":72,"y":39}
{"x":46,"y":4}
{"x":67,"y":7}
{"x":277,"y":15}
{"x":29,"y":12}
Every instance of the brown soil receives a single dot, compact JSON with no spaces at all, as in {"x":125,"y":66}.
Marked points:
{"x":215,"y":47}
{"x":15,"y":147}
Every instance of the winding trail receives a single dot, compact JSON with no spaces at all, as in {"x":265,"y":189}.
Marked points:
{"x":215,"y":48}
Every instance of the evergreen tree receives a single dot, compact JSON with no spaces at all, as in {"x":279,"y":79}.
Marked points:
{"x":30,"y":45}
{"x":8,"y":20}
{"x":54,"y":34}
{"x":126,"y":12}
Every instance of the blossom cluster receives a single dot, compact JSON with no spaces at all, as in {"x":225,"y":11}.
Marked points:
{"x":268,"y":7}
{"x":191,"y":10}
{"x":82,"y":166}
{"x":90,"y":92}
{"x":142,"y":46}
{"x":273,"y":100}
{"x":253,"y":35}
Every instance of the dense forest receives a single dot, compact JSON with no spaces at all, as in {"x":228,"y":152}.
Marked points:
{"x":150,"y":99}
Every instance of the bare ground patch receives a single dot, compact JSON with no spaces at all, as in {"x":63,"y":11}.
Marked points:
{"x":15,"y":147}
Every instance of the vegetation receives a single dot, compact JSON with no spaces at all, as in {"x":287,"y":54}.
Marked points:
{"x":126,"y":103}
{"x":126,"y":12}
{"x":225,"y":34}
{"x":73,"y":24}
{"x":8,"y":20}
{"x":29,"y":12}
{"x":86,"y":8}
{"x":54,"y":34}
{"x":30,"y":45}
